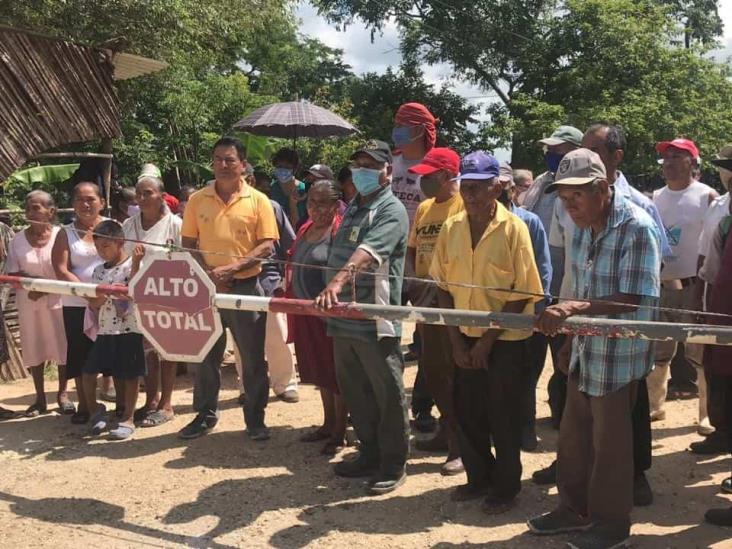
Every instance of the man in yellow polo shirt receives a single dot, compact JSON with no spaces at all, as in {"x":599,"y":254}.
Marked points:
{"x":437,"y":172}
{"x":237,"y":223}
{"x":488,"y":246}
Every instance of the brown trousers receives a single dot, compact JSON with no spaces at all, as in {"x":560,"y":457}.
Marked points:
{"x":438,"y":367}
{"x":595,"y":456}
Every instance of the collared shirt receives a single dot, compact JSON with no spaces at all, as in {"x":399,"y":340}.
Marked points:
{"x":426,"y":228}
{"x":624,"y":188}
{"x":540,"y":203}
{"x":718,"y":209}
{"x":380,"y":228}
{"x":563,"y":229}
{"x":502,"y":259}
{"x":540,"y":244}
{"x":232,"y":230}
{"x":624,"y":258}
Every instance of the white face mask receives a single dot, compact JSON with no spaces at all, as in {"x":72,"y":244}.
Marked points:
{"x":133,"y":209}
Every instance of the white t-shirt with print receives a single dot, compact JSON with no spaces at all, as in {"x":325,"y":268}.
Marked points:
{"x":682,"y":213}
{"x":405,"y":185}
{"x":116,"y":316}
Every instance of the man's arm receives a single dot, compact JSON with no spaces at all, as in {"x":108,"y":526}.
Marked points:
{"x":262,"y":250}
{"x":552,"y":317}
{"x":460,"y":351}
{"x":360,"y":260}
{"x":480,"y":351}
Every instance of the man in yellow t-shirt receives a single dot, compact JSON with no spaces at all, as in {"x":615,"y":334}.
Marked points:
{"x":236,"y":222}
{"x":487,"y":246}
{"x":438,"y":171}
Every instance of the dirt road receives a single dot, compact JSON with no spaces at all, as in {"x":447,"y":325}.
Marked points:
{"x":61,"y":489}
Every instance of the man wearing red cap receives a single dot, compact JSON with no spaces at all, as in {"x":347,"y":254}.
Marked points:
{"x":437,"y":173}
{"x":414,"y":135}
{"x":683,"y":205}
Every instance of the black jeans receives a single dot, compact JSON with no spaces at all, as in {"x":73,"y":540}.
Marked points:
{"x":248,"y":329}
{"x":557,"y":387}
{"x":488,"y":410}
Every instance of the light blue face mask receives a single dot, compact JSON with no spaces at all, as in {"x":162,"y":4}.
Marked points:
{"x":283,"y":174}
{"x":366,"y":180}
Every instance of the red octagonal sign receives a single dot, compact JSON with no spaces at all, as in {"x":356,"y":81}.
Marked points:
{"x":174,"y":306}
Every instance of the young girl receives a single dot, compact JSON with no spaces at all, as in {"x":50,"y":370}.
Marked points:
{"x":118,"y":346}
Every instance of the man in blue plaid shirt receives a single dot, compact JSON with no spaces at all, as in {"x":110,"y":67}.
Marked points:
{"x":615,"y":257}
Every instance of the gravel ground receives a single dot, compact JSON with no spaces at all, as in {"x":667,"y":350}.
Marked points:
{"x":61,"y":489}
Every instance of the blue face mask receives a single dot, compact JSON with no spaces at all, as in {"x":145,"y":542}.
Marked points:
{"x":552,"y":160}
{"x":402,"y":136}
{"x":366,"y":180}
{"x":283,"y":174}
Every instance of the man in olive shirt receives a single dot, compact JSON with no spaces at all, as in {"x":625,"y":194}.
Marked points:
{"x":368,"y":359}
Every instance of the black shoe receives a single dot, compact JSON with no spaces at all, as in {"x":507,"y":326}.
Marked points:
{"x":467,"y":492}
{"x":198,"y":427}
{"x":355,"y":468}
{"x":528,"y":439}
{"x":411,"y":356}
{"x":719,"y":517}
{"x":715,"y":443}
{"x":559,"y":521}
{"x":546,"y":476}
{"x":600,"y":537}
{"x":642,"y":493}
{"x":495,"y":505}
{"x":726,"y":486}
{"x":383,"y":484}
{"x":258,"y":433}
{"x":424,"y":422}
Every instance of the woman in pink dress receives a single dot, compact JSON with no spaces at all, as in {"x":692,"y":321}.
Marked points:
{"x":40,"y":315}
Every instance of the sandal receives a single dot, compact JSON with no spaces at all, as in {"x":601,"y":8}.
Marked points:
{"x":35,"y":410}
{"x":332,"y":447}
{"x":140,"y":414}
{"x":6,"y":414}
{"x":122,"y":432}
{"x":80,"y":418}
{"x":66,"y":408}
{"x":156,"y":418}
{"x":315,"y":436}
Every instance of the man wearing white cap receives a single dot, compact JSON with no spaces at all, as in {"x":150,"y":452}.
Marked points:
{"x":715,"y":442}
{"x":683,"y":204}
{"x":615,"y":257}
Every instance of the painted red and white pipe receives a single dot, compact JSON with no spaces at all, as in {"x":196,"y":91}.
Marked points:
{"x":658,"y":331}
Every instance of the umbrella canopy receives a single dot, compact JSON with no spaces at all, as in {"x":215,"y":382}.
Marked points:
{"x":295,"y":119}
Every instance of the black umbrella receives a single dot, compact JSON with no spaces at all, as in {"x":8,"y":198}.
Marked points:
{"x":295,"y":119}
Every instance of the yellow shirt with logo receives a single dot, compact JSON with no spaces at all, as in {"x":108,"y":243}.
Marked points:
{"x":426,"y":227}
{"x":503,"y":259}
{"x":232,"y":230}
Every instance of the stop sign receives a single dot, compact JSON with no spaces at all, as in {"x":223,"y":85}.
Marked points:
{"x":174,"y":306}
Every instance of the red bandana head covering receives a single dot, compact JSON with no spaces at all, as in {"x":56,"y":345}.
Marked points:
{"x":416,"y":114}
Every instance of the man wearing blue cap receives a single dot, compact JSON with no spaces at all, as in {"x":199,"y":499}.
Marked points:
{"x":489,"y":247}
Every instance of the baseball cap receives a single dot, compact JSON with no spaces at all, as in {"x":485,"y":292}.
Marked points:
{"x":679,"y":143}
{"x":578,"y":167}
{"x":439,"y":158}
{"x":378,"y":150}
{"x":478,"y":165}
{"x":321,"y":171}
{"x":505,"y":173}
{"x":564,"y":134}
{"x":725,"y":152}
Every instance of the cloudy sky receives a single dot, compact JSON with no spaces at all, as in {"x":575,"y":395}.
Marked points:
{"x":365,"y":56}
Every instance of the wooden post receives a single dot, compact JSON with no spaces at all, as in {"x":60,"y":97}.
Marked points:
{"x":107,"y":173}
